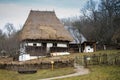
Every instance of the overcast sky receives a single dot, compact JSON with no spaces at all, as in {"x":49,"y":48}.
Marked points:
{"x":16,"y":11}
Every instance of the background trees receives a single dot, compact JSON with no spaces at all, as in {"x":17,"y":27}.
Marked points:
{"x":100,"y":21}
{"x":9,"y":42}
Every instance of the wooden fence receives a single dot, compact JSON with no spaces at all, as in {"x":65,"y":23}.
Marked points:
{"x":37,"y":64}
{"x":98,"y":59}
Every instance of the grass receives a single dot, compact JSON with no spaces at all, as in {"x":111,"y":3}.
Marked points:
{"x":44,"y":73}
{"x":97,"y":72}
{"x":100,"y":73}
{"x":97,"y":52}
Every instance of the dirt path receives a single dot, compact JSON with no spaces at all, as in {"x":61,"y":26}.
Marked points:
{"x":80,"y":70}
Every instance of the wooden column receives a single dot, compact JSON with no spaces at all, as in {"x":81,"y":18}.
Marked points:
{"x":44,"y":46}
{"x":94,"y":47}
{"x":84,"y":47}
{"x":81,"y":48}
{"x":54,"y":44}
{"x":68,"y":47}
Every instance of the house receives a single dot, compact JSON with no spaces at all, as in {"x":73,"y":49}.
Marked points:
{"x":75,"y":45}
{"x":42,"y":34}
{"x":88,"y":46}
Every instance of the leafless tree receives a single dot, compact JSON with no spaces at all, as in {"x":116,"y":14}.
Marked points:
{"x":9,"y":42}
{"x":100,"y":23}
{"x":10,"y":29}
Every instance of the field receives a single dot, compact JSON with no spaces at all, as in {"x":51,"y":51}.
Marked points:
{"x":97,"y":52}
{"x":44,"y":73}
{"x":97,"y":72}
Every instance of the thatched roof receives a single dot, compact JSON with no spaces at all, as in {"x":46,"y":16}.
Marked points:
{"x":44,"y":25}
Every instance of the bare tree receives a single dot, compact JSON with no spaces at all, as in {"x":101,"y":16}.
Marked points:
{"x":10,"y":29}
{"x":100,"y":23}
{"x":9,"y":43}
{"x":74,"y":32}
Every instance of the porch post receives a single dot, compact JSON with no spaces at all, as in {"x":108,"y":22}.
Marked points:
{"x":94,"y":47}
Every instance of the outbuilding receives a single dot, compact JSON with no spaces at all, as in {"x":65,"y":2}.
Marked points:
{"x":88,"y":46}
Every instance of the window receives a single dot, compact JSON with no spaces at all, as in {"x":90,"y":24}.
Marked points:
{"x":30,"y":44}
{"x":34,"y":44}
{"x":38,"y":44}
{"x":61,"y":45}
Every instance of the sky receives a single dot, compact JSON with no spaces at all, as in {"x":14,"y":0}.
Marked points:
{"x":16,"y":11}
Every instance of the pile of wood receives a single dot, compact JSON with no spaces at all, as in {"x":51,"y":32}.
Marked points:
{"x":6,"y":59}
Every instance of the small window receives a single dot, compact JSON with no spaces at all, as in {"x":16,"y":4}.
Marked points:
{"x":34,"y":44}
{"x":38,"y":44}
{"x":61,"y":45}
{"x":30,"y":44}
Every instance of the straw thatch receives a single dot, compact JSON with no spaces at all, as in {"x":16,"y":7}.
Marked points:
{"x":44,"y":25}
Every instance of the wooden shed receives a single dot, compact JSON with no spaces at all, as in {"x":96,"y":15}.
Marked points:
{"x":43,"y":33}
{"x":88,"y":46}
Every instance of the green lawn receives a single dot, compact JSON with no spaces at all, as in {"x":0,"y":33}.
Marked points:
{"x":97,"y":72}
{"x":44,"y":73}
{"x":97,"y":52}
{"x":73,"y":55}
{"x":100,"y":73}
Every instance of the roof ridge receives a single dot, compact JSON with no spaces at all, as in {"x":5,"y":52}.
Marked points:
{"x":42,"y":11}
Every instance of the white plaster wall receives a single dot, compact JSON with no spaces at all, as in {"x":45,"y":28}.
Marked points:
{"x":61,"y":45}
{"x":88,"y":49}
{"x":39,"y":44}
{"x":59,"y":53}
{"x":48,"y":46}
{"x":30,"y":44}
{"x":24,"y":57}
{"x":35,"y":57}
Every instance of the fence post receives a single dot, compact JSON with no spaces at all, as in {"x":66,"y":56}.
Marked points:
{"x":94,"y":59}
{"x":52,"y":65}
{"x":99,"y":58}
{"x":85,"y":61}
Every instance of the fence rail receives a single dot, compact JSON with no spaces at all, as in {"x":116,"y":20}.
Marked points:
{"x":97,"y":59}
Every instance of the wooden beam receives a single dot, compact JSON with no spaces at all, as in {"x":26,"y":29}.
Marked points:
{"x":84,"y":47}
{"x":94,"y":47}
